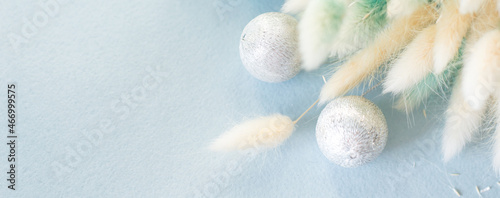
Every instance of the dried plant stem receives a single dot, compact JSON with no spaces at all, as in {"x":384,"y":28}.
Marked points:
{"x":295,"y":122}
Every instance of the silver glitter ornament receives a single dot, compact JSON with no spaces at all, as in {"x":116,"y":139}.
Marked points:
{"x":351,"y":131}
{"x":269,"y":47}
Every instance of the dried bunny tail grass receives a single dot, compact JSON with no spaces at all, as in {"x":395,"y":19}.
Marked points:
{"x":481,"y":70}
{"x":462,"y":119}
{"x":413,"y":64}
{"x":259,"y":133}
{"x":294,"y":6}
{"x":401,"y":8}
{"x":471,"y":6}
{"x":431,"y":84}
{"x":368,"y":60}
{"x":318,"y":27}
{"x":451,"y":29}
{"x":364,"y":19}
{"x":461,"y":123}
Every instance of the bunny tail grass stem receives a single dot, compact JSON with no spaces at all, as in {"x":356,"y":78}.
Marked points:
{"x":372,"y":88}
{"x":368,"y":60}
{"x":300,"y":117}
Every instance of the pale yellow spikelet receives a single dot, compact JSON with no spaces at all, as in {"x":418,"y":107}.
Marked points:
{"x":259,"y":133}
{"x":414,"y":63}
{"x":452,"y":27}
{"x":481,"y":70}
{"x":462,"y":122}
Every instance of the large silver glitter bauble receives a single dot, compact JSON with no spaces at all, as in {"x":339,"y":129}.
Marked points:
{"x":269,"y":47}
{"x":351,"y":131}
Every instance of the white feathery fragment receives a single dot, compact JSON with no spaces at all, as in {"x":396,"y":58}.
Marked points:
{"x":451,"y":29}
{"x":413,"y":64}
{"x":262,"y":132}
{"x":470,"y":6}
{"x":368,"y":60}
{"x":461,"y":123}
{"x":294,"y":6}
{"x":481,"y":72}
{"x":456,"y":192}
{"x":485,"y":189}
{"x":401,"y":8}
{"x":318,"y":27}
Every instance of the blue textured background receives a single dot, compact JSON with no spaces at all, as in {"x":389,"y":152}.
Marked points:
{"x":90,"y":68}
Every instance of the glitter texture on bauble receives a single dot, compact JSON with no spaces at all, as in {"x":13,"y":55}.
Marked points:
{"x":351,"y":131}
{"x":269,"y":47}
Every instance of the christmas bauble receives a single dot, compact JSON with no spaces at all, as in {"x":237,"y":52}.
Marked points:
{"x":351,"y":131}
{"x":269,"y":47}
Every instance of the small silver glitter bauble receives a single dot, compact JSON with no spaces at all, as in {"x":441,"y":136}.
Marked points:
{"x":269,"y":47}
{"x":351,"y":131}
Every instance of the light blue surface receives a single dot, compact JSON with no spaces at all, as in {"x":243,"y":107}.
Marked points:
{"x":76,"y":72}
